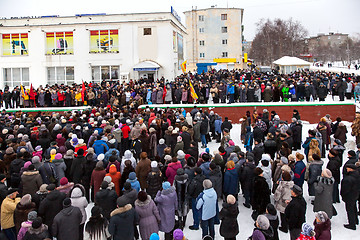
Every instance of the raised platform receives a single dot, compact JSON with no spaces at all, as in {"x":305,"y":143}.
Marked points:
{"x":309,"y":111}
{"x":47,"y":109}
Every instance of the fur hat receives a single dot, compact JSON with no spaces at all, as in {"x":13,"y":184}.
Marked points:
{"x":263,"y":222}
{"x":25,"y":200}
{"x":43,"y":188}
{"x":154,"y":164}
{"x":167,"y":158}
{"x":35,"y":159}
{"x":100,"y":157}
{"x":161,"y":141}
{"x":322,"y":216}
{"x":180,"y":154}
{"x":9,"y":151}
{"x":230,"y":199}
{"x":207,"y":184}
{"x":327,"y":173}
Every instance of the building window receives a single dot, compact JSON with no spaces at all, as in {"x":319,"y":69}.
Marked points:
{"x":224,"y":54}
{"x":147,"y":31}
{"x":16,"y":76}
{"x":202,"y":43}
{"x":104,"y":41}
{"x":224,"y":29}
{"x":15,"y":44}
{"x":224,"y":41}
{"x":201,"y":18}
{"x":223,"y":16}
{"x":202,"y":55}
{"x":60,"y":75}
{"x":100,"y":73}
{"x":201,"y":30}
{"x":59,"y":43}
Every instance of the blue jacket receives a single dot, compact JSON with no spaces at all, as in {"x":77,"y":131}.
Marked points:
{"x":218,"y":123}
{"x":230,"y":89}
{"x":205,"y":168}
{"x":148,"y":96}
{"x":100,"y":146}
{"x":299,"y":173}
{"x":134,"y":184}
{"x":207,"y":201}
{"x":231,"y":180}
{"x":249,"y":137}
{"x":109,"y":153}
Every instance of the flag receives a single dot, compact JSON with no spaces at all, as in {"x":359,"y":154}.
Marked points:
{"x":183,"y":67}
{"x":32,"y":94}
{"x":22,"y":90}
{"x":83,"y":90}
{"x":164,"y":92}
{"x":192,"y":91}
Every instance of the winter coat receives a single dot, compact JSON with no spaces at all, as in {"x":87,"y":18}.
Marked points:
{"x":274,"y":224}
{"x":261,"y":194}
{"x":334,"y":166}
{"x":40,"y":233}
{"x":323,"y":230}
{"x":299,"y":173}
{"x":178,"y":146}
{"x":115,"y":178}
{"x":295,"y":212}
{"x":97,"y":178}
{"x":21,"y":213}
{"x":282,"y":194}
{"x":60,"y":168}
{"x":205,"y":168}
{"x":324,"y":195}
{"x":76,"y":171}
{"x":215,"y":177}
{"x":267,"y":94}
{"x":350,"y":186}
{"x":142,"y":170}
{"x":66,"y":223}
{"x":181,"y":183}
{"x":122,"y":223}
{"x":100,"y":147}
{"x":31,"y":182}
{"x":315,"y":170}
{"x":78,"y":200}
{"x":127,"y":156}
{"x":196,"y":186}
{"x":167,"y":204}
{"x":8,"y":207}
{"x":154,"y":181}
{"x":229,"y":226}
{"x":50,"y":206}
{"x":149,"y":217}
{"x":207,"y":201}
{"x":231,"y":182}
{"x":266,"y":173}
{"x":106,"y":199}
{"x":341,"y":134}
{"x":160,"y":149}
{"x":171,"y":171}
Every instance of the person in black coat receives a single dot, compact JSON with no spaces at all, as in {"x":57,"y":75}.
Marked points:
{"x":88,"y":167}
{"x":106,"y":199}
{"x":123,"y":221}
{"x":181,"y":184}
{"x":261,"y":195}
{"x":226,"y":124}
{"x":295,"y":212}
{"x":51,"y":206}
{"x":322,"y":92}
{"x":194,"y":189}
{"x":186,"y":138}
{"x":296,"y":128}
{"x":351,"y":160}
{"x":48,"y":172}
{"x":154,"y":180}
{"x":315,"y":170}
{"x":258,"y":150}
{"x":257,"y":133}
{"x":76,"y":171}
{"x":246,"y":179}
{"x":334,"y":166}
{"x":15,"y":168}
{"x":270,"y":145}
{"x":271,"y":214}
{"x":350,"y":187}
{"x":67,"y":221}
{"x":3,"y":188}
{"x":216,"y":178}
{"x":229,"y":226}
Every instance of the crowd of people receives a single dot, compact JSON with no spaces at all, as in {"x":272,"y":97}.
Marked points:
{"x":144,"y":170}
{"x":214,"y":86}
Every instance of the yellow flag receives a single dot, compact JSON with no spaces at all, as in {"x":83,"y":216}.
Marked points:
{"x":183,"y":67}
{"x":22,"y":91}
{"x":192,"y":91}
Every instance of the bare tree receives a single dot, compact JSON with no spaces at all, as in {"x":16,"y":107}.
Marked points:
{"x":277,"y":38}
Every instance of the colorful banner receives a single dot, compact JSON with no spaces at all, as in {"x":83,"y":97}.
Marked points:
{"x":180,"y":49}
{"x":59,"y":43}
{"x":183,"y":67}
{"x":104,"y":41}
{"x":15,"y":44}
{"x":174,"y":42}
{"x":192,"y":91}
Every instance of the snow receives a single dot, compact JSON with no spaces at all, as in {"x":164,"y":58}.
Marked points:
{"x":336,"y":69}
{"x":291,"y":61}
{"x":245,"y":221}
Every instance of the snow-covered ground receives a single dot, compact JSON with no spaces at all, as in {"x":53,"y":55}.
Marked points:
{"x":335,"y":69}
{"x":246,"y":223}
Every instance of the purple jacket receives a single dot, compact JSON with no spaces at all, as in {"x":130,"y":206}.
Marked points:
{"x":24,"y":228}
{"x":167,"y":204}
{"x":148,"y":217}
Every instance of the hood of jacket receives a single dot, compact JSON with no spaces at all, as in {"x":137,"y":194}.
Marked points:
{"x":143,"y":204}
{"x":128,"y":155}
{"x":76,"y":193}
{"x":68,"y":210}
{"x":210,"y":193}
{"x":30,"y":173}
{"x":112,"y":170}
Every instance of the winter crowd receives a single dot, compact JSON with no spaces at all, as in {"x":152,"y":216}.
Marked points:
{"x":214,"y":86}
{"x":144,"y":170}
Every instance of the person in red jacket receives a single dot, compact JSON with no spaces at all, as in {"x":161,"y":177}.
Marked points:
{"x":125,"y":143}
{"x":61,"y":98}
{"x":171,"y":169}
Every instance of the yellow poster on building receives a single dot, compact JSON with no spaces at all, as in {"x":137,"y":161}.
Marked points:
{"x":15,"y":44}
{"x":59,"y":43}
{"x":104,"y":41}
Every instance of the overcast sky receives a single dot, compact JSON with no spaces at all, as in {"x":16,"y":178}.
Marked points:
{"x":317,"y":16}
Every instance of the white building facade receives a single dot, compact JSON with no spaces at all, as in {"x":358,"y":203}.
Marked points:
{"x":214,"y":36}
{"x":67,"y":50}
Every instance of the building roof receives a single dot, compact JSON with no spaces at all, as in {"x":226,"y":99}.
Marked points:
{"x":213,"y":8}
{"x":291,"y":61}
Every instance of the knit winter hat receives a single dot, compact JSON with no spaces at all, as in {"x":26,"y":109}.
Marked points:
{"x":63,"y":181}
{"x":263,"y":222}
{"x":25,"y":200}
{"x":154,"y":236}
{"x":230,"y":199}
{"x":179,"y":139}
{"x":284,"y":160}
{"x":32,"y":215}
{"x":132,"y":176}
{"x":154,"y":164}
{"x":297,"y":190}
{"x":99,"y":164}
{"x":178,"y":234}
{"x":231,"y":143}
{"x":161,"y":141}
{"x":180,"y":154}
{"x":327,"y":173}
{"x":70,"y":153}
{"x":166,"y":185}
{"x":59,"y":136}
{"x":58,"y":156}
{"x":35,"y":159}
{"x":9,"y":150}
{"x":307,"y":230}
{"x":107,"y":179}
{"x":67,"y":202}
{"x":27,"y":164}
{"x":90,"y":150}
{"x":322,"y":216}
{"x":43,"y":188}
{"x":207,"y":184}
{"x":167,"y":158}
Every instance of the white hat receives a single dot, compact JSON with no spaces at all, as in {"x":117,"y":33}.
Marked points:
{"x":101,"y":157}
{"x":179,"y":139}
{"x":73,"y":136}
{"x":154,"y":164}
{"x":161,"y":141}
{"x":81,"y":141}
{"x":78,"y":127}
